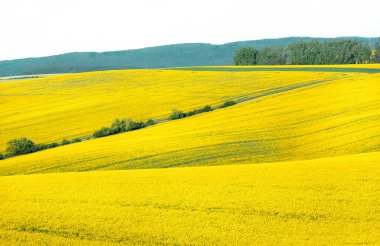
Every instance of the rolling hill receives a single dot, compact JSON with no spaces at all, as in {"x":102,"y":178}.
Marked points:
{"x":282,"y":116}
{"x":197,"y":54}
{"x":331,"y":200}
{"x":75,"y":105}
{"x":297,"y":157}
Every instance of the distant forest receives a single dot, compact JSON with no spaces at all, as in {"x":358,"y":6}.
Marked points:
{"x":311,"y":53}
{"x":176,"y":55}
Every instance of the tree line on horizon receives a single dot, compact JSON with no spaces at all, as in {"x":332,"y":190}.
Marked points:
{"x":310,"y":53}
{"x":177,"y":55}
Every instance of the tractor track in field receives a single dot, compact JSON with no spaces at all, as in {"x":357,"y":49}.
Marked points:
{"x":265,"y":93}
{"x":247,"y":98}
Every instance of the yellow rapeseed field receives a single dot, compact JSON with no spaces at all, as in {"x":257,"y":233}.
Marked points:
{"x":332,"y":201}
{"x":337,"y":117}
{"x":332,"y":117}
{"x":75,"y":105}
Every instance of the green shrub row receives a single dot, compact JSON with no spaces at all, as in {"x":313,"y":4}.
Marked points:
{"x":119,"y":126}
{"x":23,"y":146}
{"x":179,"y":115}
{"x":228,"y":104}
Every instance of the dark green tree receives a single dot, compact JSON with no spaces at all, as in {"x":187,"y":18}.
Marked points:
{"x":377,"y":51}
{"x":40,"y":147}
{"x":76,"y":140}
{"x":206,"y":108}
{"x":65,"y":141}
{"x":176,"y":114}
{"x":150,"y":122}
{"x":118,"y":126}
{"x":245,"y":57}
{"x":102,"y":132}
{"x":297,"y":52}
{"x":331,"y":52}
{"x":20,"y":146}
{"x":272,"y":56}
{"x":130,"y":125}
{"x":228,"y":104}
{"x":362,"y":53}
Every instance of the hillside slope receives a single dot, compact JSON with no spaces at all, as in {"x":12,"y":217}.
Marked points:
{"x":197,"y":54}
{"x":75,"y":105}
{"x":333,"y":200}
{"x":335,"y":117}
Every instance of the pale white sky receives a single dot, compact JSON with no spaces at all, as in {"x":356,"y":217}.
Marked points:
{"x":31,"y":28}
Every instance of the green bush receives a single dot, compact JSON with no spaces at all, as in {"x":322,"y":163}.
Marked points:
{"x":206,"y":108}
{"x":51,"y":145}
{"x":65,"y":141}
{"x":118,"y":126}
{"x":190,"y":113}
{"x":176,"y":114}
{"x":131,"y":125}
{"x":102,"y":132}
{"x":228,"y":104}
{"x":150,"y":122}
{"x":245,"y":56}
{"x":1,"y":156}
{"x":40,"y":147}
{"x":20,"y":146}
{"x":76,"y":140}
